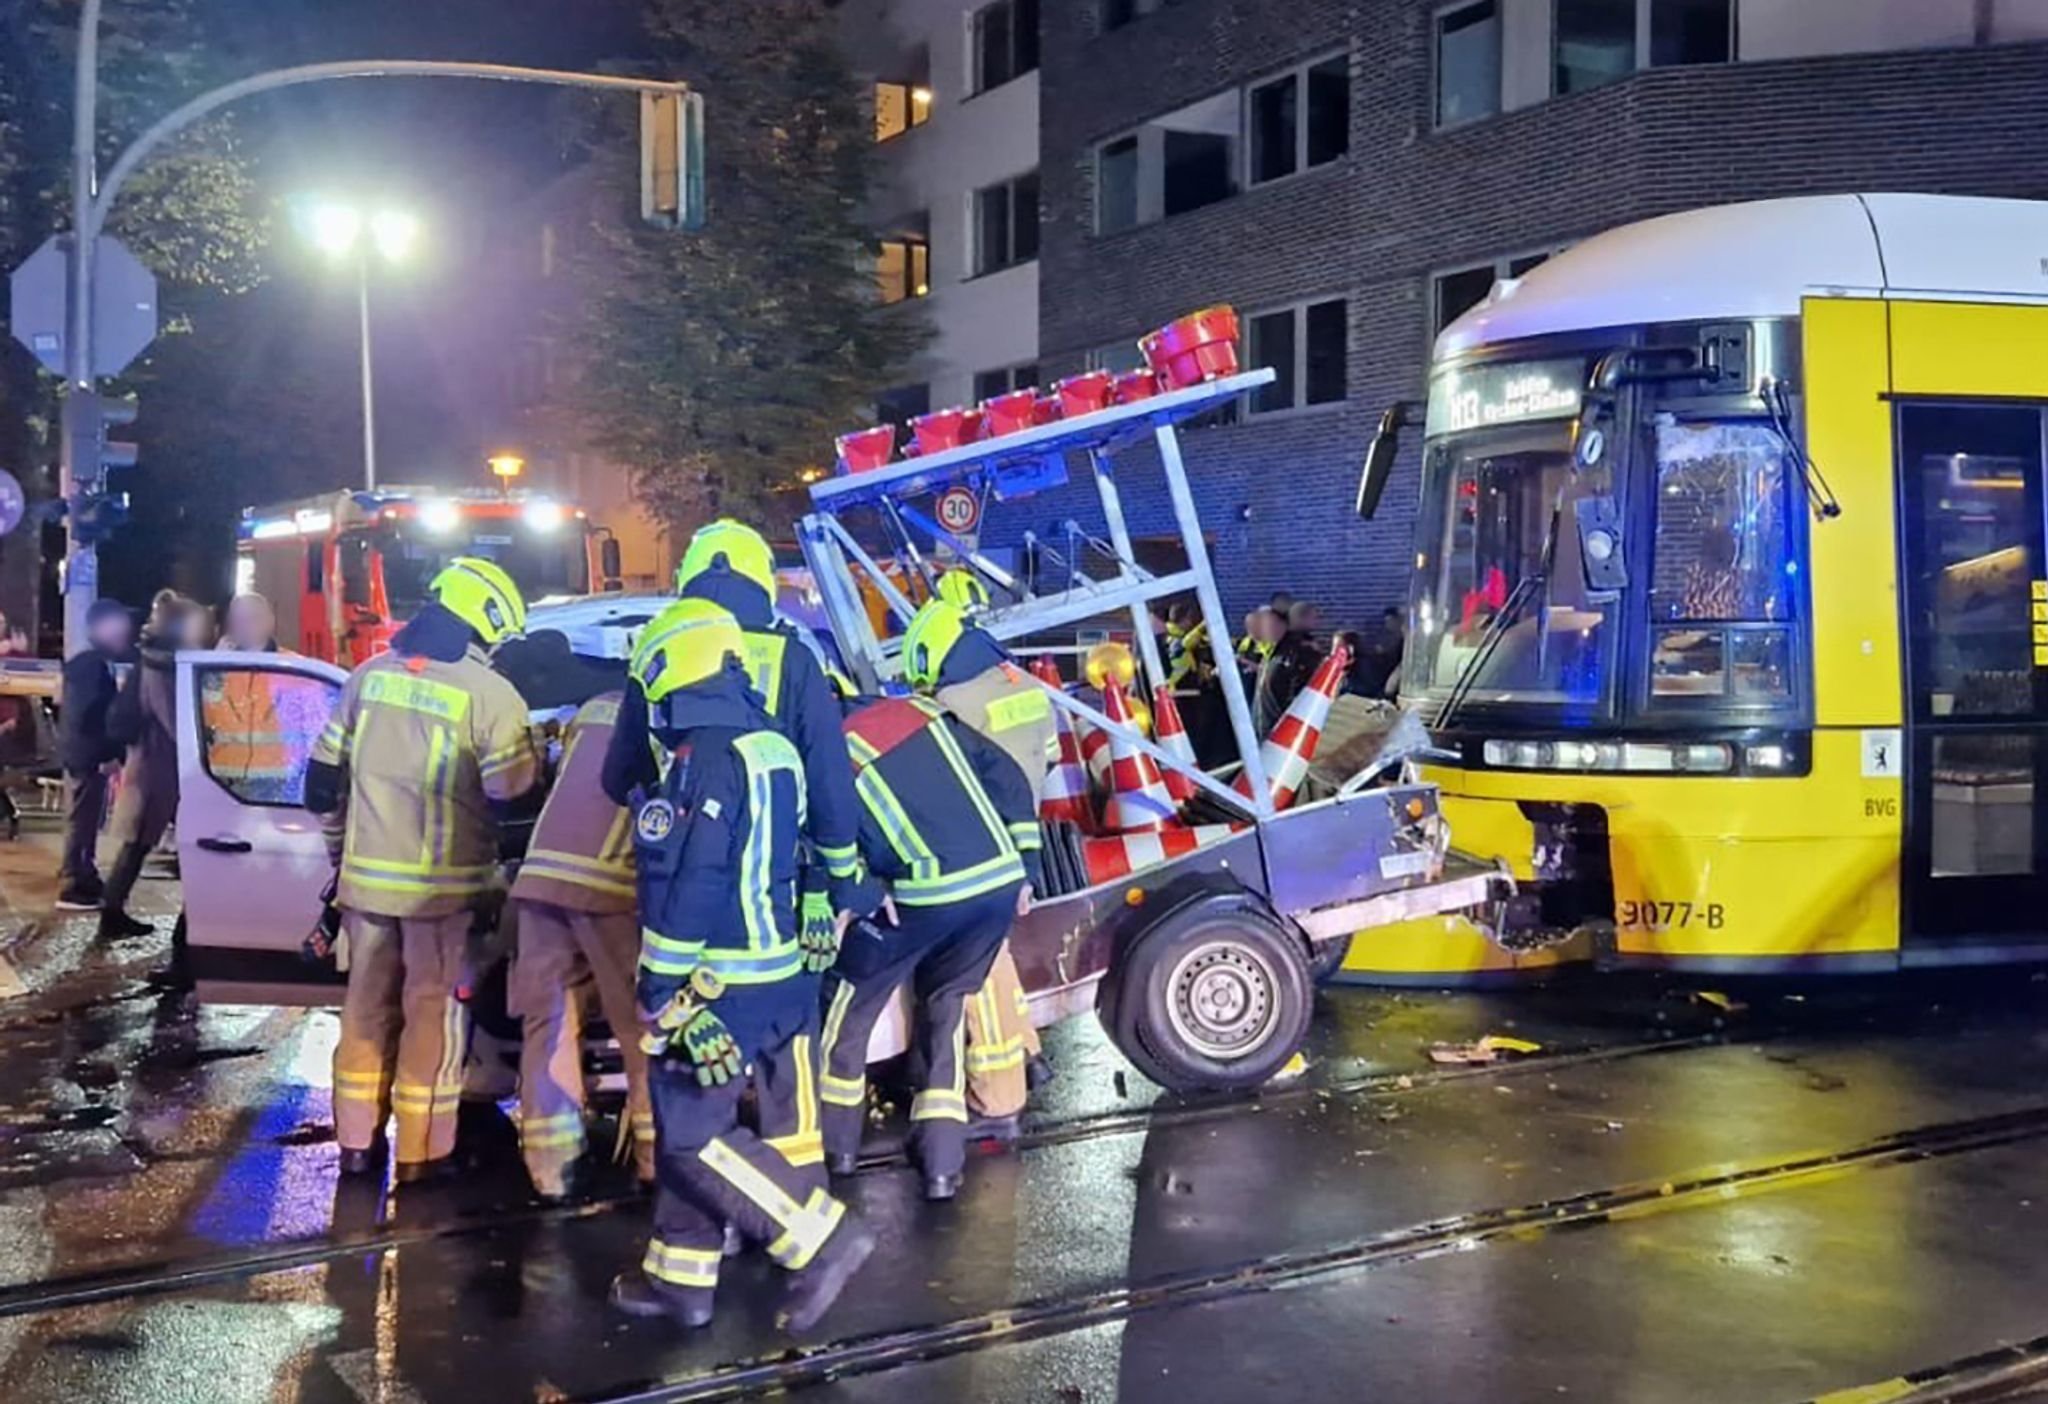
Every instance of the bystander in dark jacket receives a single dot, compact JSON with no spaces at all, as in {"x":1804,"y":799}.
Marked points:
{"x":1287,"y":668}
{"x":145,"y":717}
{"x":87,"y":750}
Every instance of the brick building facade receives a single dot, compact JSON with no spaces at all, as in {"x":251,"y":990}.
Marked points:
{"x":1412,"y":198}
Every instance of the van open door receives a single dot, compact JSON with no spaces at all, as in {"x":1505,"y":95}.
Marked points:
{"x":253,"y":860}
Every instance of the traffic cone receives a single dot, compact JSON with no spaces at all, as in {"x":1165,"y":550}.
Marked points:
{"x":1119,"y":855}
{"x":1286,"y":753}
{"x":1137,"y":796}
{"x":1173,"y":739}
{"x":1065,"y":797}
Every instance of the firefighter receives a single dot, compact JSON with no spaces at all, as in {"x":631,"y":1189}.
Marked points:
{"x":574,"y":897}
{"x":731,"y":565}
{"x":425,"y":741}
{"x":973,"y":678}
{"x":950,"y":825}
{"x":722,"y":980}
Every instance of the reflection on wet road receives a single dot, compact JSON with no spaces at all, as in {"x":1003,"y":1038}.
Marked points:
{"x":1832,"y":1188}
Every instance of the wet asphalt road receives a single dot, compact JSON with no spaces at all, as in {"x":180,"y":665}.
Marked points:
{"x":1828,"y":1189}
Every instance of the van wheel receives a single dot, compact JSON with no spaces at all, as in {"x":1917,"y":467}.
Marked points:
{"x":1215,"y":997}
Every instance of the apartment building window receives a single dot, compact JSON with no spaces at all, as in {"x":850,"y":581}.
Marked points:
{"x":1467,"y":63}
{"x":1301,"y":119}
{"x":903,"y":268}
{"x":1117,"y":357}
{"x":990,"y":383}
{"x":1308,"y":348}
{"x":1595,"y":43}
{"x":900,"y":107}
{"x":1006,"y":224}
{"x":1599,"y":41}
{"x":1005,"y":42}
{"x":903,"y":404}
{"x":1691,"y":31}
{"x":1458,"y":291}
{"x":1115,"y":14}
{"x":1177,"y":162}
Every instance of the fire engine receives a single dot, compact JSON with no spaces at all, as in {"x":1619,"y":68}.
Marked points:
{"x":346,"y":569}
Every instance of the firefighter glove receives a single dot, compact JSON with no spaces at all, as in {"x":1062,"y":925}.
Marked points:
{"x":708,"y":1045}
{"x":818,"y":933}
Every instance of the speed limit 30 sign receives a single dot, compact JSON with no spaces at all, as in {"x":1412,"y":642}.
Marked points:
{"x":959,"y":510}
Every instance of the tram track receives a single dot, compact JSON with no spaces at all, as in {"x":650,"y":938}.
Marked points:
{"x":164,"y":1276}
{"x":1062,"y":1314}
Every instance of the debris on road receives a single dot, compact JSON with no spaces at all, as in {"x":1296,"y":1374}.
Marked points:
{"x":1485,"y":1050}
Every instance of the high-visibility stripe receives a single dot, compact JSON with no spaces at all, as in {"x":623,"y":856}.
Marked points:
{"x":994,"y":1060}
{"x":1018,"y":709}
{"x":931,"y":1105}
{"x":743,"y":1175}
{"x":799,"y":1148}
{"x":682,"y":1267}
{"x":764,"y":653}
{"x":390,"y":687}
{"x":1024,"y":835}
{"x":908,"y":843}
{"x":664,"y":955}
{"x":801,"y":1241}
{"x":982,"y":878}
{"x":594,"y":874}
{"x":841,"y":860}
{"x":970,"y":784}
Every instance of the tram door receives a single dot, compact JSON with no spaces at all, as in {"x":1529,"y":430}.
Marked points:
{"x":1975,"y":609}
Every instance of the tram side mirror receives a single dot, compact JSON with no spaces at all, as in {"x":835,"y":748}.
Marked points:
{"x":1600,"y":545}
{"x":1590,"y":429}
{"x":611,"y":564}
{"x":1379,"y":459}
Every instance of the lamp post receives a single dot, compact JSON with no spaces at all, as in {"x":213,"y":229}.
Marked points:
{"x":341,"y":231}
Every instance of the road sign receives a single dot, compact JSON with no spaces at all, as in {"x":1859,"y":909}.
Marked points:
{"x":13,"y":502}
{"x":959,"y":510}
{"x":124,"y":305}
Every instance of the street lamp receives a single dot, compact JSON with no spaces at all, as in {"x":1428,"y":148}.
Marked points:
{"x":338,"y":231}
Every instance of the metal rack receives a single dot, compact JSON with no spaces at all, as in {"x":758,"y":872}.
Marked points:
{"x":891,"y":494}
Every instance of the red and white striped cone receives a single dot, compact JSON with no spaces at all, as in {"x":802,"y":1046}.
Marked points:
{"x":1173,"y":739}
{"x":1137,"y":796}
{"x":1286,"y":753}
{"x":1094,"y":743}
{"x":1065,"y":797}
{"x":1118,"y":856}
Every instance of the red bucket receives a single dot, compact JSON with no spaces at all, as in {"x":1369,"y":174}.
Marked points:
{"x":1046,"y":410}
{"x":1085,"y":393}
{"x":1136,"y":385}
{"x":946,"y":429}
{"x":1007,"y":414}
{"x":1200,"y":346}
{"x":865,"y":450}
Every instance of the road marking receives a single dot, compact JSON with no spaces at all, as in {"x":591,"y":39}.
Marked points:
{"x":369,"y":1381}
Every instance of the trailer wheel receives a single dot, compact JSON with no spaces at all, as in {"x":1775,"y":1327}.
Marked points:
{"x":1326,"y":958}
{"x":1216,"y":996}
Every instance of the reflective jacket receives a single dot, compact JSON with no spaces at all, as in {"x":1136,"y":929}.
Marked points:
{"x":946,"y":814}
{"x":581,"y":853}
{"x":427,"y":746}
{"x":717,"y":848}
{"x":800,"y":704}
{"x":980,"y":685}
{"x":248,"y":746}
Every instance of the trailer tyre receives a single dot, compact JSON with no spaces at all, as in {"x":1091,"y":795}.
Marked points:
{"x":1326,"y":958}
{"x":1216,"y":997}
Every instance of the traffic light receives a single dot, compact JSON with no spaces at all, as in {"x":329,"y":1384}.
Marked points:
{"x":672,"y":159}
{"x":92,"y":416}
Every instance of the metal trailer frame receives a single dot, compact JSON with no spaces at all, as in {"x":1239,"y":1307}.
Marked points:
{"x":1304,"y":878}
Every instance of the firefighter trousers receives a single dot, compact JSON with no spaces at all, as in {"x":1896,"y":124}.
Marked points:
{"x":785,"y":1080}
{"x":1000,"y":1041}
{"x":557,"y":948}
{"x":945,"y":953}
{"x":712,"y":1171}
{"x":403,"y":1033}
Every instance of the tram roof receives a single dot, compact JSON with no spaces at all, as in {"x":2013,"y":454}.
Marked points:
{"x":1759,"y":259}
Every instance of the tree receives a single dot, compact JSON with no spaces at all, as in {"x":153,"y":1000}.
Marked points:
{"x":718,"y":365}
{"x":190,"y":214}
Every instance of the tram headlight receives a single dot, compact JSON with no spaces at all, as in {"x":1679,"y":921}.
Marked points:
{"x":1645,"y":758}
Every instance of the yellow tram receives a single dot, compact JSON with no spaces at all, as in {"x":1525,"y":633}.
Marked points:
{"x":1731,"y":596}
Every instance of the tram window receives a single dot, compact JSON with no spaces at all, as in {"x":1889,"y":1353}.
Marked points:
{"x":1723,"y":556}
{"x":1983,"y":804}
{"x":1973,"y":553}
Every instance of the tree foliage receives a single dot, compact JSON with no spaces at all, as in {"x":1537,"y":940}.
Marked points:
{"x":717,"y":365}
{"x":190,"y":213}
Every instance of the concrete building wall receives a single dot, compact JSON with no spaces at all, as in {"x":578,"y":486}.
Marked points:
{"x":971,"y":140}
{"x":1410,"y":202}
